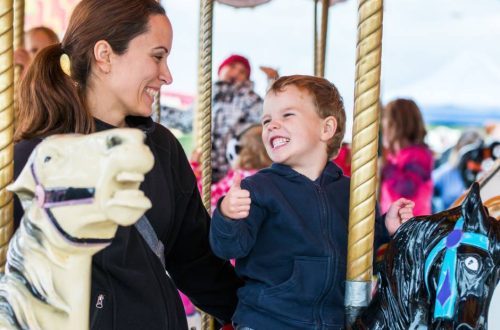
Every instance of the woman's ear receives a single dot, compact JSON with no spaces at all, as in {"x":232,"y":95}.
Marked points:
{"x":102,"y":56}
{"x":329,"y":128}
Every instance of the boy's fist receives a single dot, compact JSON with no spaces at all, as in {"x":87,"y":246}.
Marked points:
{"x":399,"y":212}
{"x":236,"y":203}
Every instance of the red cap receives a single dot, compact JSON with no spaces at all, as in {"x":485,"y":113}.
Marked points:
{"x":235,"y":58}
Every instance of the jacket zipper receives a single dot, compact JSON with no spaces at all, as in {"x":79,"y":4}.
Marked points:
{"x":100,"y":301}
{"x":99,"y":305}
{"x":324,"y":217}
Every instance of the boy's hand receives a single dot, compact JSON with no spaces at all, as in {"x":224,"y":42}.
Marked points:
{"x":399,"y":212}
{"x":236,"y":203}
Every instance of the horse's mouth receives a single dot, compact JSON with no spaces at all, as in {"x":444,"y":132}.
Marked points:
{"x":127,"y":194}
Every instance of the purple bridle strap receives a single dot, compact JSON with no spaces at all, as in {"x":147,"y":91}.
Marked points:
{"x":56,"y":197}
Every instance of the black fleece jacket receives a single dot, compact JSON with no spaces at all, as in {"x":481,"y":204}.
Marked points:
{"x":130,"y":289}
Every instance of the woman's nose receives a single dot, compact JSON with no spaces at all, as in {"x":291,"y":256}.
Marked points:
{"x":165,"y":75}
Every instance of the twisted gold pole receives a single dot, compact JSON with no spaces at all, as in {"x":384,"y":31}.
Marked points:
{"x":18,"y":42}
{"x":320,"y":64}
{"x":157,"y":106}
{"x":316,"y":37}
{"x":205,"y":111}
{"x":6,"y":126}
{"x":364,"y":157}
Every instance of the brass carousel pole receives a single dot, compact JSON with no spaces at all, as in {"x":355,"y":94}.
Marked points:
{"x":316,"y":37}
{"x":364,"y":158}
{"x":205,"y":111}
{"x":321,"y":44}
{"x":157,"y":107}
{"x":6,"y":126}
{"x":18,"y":41}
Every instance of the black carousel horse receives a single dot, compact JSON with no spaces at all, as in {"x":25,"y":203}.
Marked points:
{"x":439,"y":272}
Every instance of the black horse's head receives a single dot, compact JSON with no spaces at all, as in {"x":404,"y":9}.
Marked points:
{"x":440,"y":271}
{"x":463,"y":268}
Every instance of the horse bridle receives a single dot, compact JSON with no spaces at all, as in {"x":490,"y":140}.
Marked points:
{"x":57,"y":197}
{"x":447,"y":292}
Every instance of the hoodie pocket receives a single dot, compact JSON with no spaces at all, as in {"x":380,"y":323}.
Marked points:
{"x":296,"y":297}
{"x":101,"y":311}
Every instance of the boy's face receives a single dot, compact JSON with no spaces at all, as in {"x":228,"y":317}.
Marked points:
{"x":293,"y":133}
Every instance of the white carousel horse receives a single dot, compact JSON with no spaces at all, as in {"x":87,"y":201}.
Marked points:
{"x":76,"y":190}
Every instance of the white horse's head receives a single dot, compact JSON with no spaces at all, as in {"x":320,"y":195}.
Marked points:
{"x":87,"y":184}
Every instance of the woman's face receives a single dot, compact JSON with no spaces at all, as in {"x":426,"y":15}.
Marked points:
{"x":137,"y":75}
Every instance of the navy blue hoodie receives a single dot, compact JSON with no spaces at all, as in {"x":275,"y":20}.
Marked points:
{"x":291,"y":250}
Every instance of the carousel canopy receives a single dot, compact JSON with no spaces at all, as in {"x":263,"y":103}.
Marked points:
{"x":254,"y":3}
{"x":243,"y":3}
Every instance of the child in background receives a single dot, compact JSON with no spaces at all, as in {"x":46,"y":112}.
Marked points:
{"x":246,"y":154}
{"x":408,"y":164}
{"x":287,"y":224}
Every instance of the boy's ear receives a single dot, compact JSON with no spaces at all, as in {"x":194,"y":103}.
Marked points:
{"x":329,"y":128}
{"x":102,"y":56}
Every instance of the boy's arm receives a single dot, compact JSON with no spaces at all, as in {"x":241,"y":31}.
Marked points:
{"x":235,"y":227}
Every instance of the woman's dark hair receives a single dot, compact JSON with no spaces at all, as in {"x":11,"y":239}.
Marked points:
{"x":51,"y":102}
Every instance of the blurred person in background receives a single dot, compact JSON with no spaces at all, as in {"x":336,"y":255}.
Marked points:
{"x":35,"y":39}
{"x":408,"y":162}
{"x":234,"y":105}
{"x":448,"y":180}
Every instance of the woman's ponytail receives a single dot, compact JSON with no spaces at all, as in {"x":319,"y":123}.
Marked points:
{"x":50,"y":101}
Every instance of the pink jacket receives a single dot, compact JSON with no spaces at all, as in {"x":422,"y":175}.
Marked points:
{"x":408,"y":174}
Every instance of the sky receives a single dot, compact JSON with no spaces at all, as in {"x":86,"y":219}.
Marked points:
{"x":420,"y":38}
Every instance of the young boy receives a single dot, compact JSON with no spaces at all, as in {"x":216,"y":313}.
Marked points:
{"x":287,"y":224}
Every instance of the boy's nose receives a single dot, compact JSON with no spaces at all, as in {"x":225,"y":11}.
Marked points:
{"x":273,"y":124}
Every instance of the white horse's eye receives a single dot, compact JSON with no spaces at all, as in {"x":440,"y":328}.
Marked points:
{"x":472,"y":263}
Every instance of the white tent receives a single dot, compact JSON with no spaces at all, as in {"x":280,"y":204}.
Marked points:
{"x":464,"y":91}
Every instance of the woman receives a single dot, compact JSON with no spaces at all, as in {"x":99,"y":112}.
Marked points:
{"x":117,"y":52}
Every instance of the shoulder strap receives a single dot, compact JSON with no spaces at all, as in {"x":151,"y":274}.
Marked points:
{"x":147,"y":232}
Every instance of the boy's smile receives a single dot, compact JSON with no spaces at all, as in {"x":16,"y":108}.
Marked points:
{"x":293,"y":132}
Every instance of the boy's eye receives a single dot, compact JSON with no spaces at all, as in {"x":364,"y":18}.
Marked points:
{"x":288,"y":114}
{"x":265,"y":122}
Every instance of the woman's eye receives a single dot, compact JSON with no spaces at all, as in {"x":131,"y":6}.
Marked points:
{"x":158,"y":58}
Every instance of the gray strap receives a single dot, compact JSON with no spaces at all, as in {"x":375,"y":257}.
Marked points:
{"x":147,"y":232}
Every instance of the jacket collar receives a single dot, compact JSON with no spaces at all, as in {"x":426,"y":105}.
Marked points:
{"x":330,"y":173}
{"x":145,"y":124}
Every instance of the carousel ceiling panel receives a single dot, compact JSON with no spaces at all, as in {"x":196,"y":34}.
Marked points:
{"x":254,"y":3}
{"x":243,"y":3}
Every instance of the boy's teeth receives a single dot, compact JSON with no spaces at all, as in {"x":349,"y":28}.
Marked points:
{"x":279,"y":142}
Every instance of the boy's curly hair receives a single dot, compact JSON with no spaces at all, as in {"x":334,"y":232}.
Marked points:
{"x":327,"y":99}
